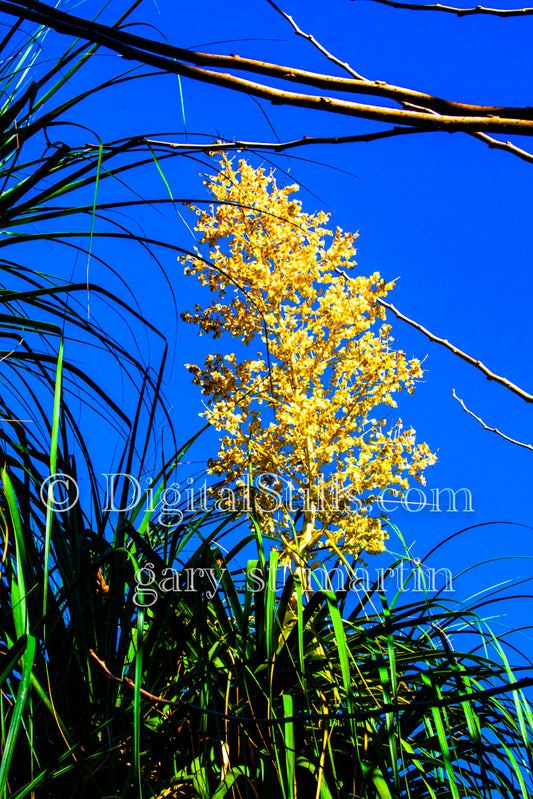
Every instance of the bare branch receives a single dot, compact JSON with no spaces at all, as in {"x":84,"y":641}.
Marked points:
{"x":493,"y":143}
{"x":452,"y":116}
{"x":317,"y":44}
{"x":110,"y":676}
{"x":388,"y":115}
{"x":218,"y":146}
{"x":460,"y":354}
{"x":459,"y":12}
{"x":456,"y":351}
{"x":507,"y":146}
{"x":491,"y":429}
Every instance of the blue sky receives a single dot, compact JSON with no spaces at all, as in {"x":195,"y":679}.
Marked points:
{"x":445,"y":215}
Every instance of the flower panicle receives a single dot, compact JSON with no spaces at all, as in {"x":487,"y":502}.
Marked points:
{"x":305,"y":412}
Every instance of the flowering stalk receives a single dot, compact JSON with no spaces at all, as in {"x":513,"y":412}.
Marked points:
{"x":308,"y":412}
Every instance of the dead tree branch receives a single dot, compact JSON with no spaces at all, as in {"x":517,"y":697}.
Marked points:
{"x":442,"y":115}
{"x":459,"y":12}
{"x":507,"y":146}
{"x":492,"y":143}
{"x":219,"y":146}
{"x":315,"y":43}
{"x":460,"y":354}
{"x":456,"y":351}
{"x":491,"y":429}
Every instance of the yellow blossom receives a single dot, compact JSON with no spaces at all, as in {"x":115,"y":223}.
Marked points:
{"x":311,"y":408}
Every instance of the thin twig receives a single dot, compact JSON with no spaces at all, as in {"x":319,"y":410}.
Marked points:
{"x":456,"y":351}
{"x":493,"y":143}
{"x":460,"y":12}
{"x":460,"y":354}
{"x":405,"y":104}
{"x":126,"y":680}
{"x":507,"y":146}
{"x":299,"y":32}
{"x":491,"y":429}
{"x":219,"y":145}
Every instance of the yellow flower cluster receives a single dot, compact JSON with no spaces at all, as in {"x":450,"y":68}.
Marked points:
{"x":304,"y":409}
